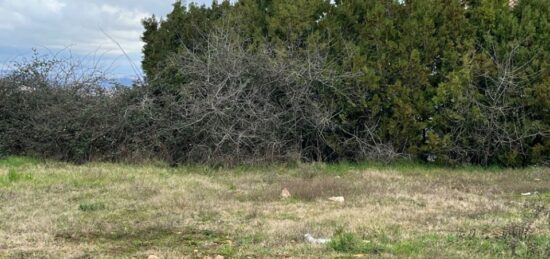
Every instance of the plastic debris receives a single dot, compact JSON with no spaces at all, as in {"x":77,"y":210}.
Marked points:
{"x":318,"y":241}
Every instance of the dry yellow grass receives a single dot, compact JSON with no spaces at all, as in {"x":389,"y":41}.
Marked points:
{"x":58,"y":210}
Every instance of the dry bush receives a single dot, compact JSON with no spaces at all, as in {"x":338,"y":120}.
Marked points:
{"x":240,"y":106}
{"x":52,"y":107}
{"x":225,"y":104}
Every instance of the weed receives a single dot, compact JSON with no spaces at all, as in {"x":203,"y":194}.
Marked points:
{"x":346,"y":242}
{"x":15,"y":176}
{"x":227,"y":250}
{"x":521,"y":234}
{"x":91,"y":206}
{"x":520,"y":238}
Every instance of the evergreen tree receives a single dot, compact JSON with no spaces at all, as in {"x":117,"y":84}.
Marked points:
{"x":421,"y":76}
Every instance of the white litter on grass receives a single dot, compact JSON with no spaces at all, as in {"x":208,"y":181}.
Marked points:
{"x":317,"y":241}
{"x":529,"y":193}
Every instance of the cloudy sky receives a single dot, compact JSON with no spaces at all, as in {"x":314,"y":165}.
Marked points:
{"x":76,"y":28}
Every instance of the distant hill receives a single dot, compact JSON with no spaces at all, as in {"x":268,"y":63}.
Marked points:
{"x":127,"y":81}
{"x":124,"y":81}
{"x":4,"y":71}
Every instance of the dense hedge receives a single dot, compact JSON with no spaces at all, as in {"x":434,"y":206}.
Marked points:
{"x":261,"y":80}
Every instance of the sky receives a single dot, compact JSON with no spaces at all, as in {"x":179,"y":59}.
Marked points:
{"x":79,"y":29}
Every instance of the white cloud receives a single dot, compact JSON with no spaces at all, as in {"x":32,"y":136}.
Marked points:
{"x":78,"y":24}
{"x":53,"y":5}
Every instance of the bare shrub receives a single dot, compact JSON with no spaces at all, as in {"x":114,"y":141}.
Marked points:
{"x":54,"y":107}
{"x":236,"y":105}
{"x":506,"y":123}
{"x":225,"y":104}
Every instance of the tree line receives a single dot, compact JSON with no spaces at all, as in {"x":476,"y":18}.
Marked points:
{"x":452,"y":82}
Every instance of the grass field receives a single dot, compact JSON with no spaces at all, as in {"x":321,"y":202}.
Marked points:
{"x":60,"y":210}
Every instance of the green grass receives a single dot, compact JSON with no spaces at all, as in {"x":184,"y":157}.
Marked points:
{"x":351,"y":243}
{"x":405,"y":209}
{"x":450,"y":245}
{"x":13,"y":176}
{"x":91,"y":206}
{"x":18,"y":161}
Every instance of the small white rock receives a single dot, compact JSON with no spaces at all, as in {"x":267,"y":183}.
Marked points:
{"x":337,"y":199}
{"x":285,"y":194}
